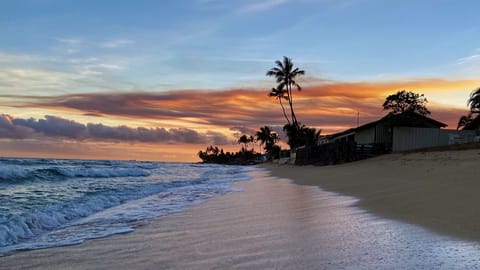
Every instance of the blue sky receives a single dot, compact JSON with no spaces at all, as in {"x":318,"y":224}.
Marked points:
{"x":163,"y":45}
{"x":72,"y":63}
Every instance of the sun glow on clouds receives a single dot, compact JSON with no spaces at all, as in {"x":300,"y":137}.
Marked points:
{"x":99,"y":150}
{"x":189,"y":120}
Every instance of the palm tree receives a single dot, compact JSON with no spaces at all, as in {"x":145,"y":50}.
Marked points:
{"x":293,"y":135}
{"x":285,"y":74}
{"x":474,"y":101}
{"x":262,"y":135}
{"x":471,"y":122}
{"x":267,"y":137}
{"x":280,"y":94}
{"x":245,"y":139}
{"x":305,"y":136}
{"x":311,"y":136}
{"x":464,"y":122}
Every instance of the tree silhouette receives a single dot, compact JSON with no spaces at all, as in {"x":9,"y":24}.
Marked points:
{"x":285,"y":74}
{"x":464,"y":122}
{"x":472,"y":120}
{"x":311,"y":136}
{"x":404,"y":101}
{"x":267,"y":137}
{"x":304,"y":136}
{"x":474,"y":101}
{"x":245,"y":139}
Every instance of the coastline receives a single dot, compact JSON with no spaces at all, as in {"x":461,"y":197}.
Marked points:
{"x":274,"y":223}
{"x":436,"y":190}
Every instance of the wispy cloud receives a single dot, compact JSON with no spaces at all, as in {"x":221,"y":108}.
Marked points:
{"x":95,"y":68}
{"x":244,"y":6}
{"x":14,"y":79}
{"x":117,"y":43}
{"x":69,"y":41}
{"x":262,"y":5}
{"x":68,"y":46}
{"x":474,"y":58}
{"x":13,"y":59}
{"x":50,"y":74}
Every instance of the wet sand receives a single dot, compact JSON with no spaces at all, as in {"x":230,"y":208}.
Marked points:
{"x":437,"y":190}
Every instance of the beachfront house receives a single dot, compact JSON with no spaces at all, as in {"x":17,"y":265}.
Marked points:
{"x":392,"y":133}
{"x":402,"y":132}
{"x":394,"y":130}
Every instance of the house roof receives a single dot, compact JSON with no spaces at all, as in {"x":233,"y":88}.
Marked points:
{"x":341,"y":134}
{"x":405,"y":119}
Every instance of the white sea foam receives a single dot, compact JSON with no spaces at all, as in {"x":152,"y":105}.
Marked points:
{"x":62,"y":202}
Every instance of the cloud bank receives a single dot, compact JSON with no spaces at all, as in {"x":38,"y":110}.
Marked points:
{"x":57,"y":127}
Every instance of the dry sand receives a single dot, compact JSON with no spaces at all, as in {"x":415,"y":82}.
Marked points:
{"x":438,"y":190}
{"x":275,"y":224}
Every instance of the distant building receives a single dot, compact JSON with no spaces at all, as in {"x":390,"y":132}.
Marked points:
{"x":402,"y":132}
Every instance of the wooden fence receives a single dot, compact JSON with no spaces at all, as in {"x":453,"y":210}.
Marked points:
{"x":337,"y":152}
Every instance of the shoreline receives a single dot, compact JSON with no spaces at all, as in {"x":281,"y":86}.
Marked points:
{"x":436,"y":190}
{"x":275,"y":222}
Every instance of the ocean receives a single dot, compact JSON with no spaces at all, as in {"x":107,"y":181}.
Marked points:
{"x":53,"y":202}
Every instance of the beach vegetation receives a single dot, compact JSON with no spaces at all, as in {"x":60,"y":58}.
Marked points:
{"x":214,"y":154}
{"x":404,"y":101}
{"x":471,"y":121}
{"x":474,"y":101}
{"x":245,"y":140}
{"x":267,"y":138}
{"x":246,"y":156}
{"x":302,"y":136}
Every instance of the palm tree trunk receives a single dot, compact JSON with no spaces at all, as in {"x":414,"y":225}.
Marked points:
{"x":290,"y":101}
{"x":283,"y":110}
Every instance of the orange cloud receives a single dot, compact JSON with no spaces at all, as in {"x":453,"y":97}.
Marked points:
{"x":317,"y":105}
{"x":328,"y":105}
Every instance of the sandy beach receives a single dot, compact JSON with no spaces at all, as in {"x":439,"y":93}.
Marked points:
{"x":438,"y":190}
{"x":274,"y":223}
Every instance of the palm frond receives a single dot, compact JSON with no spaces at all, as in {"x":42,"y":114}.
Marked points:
{"x":474,"y":100}
{"x":280,"y":64}
{"x":299,"y":88}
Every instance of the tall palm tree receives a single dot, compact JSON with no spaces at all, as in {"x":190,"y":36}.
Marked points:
{"x":280,"y":94}
{"x":293,"y":135}
{"x":285,"y":74}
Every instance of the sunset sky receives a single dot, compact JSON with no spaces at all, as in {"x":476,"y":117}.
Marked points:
{"x":160,"y":80}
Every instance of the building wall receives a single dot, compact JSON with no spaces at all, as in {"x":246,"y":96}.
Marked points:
{"x":383,"y":134}
{"x":365,"y":136}
{"x":408,"y":138}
